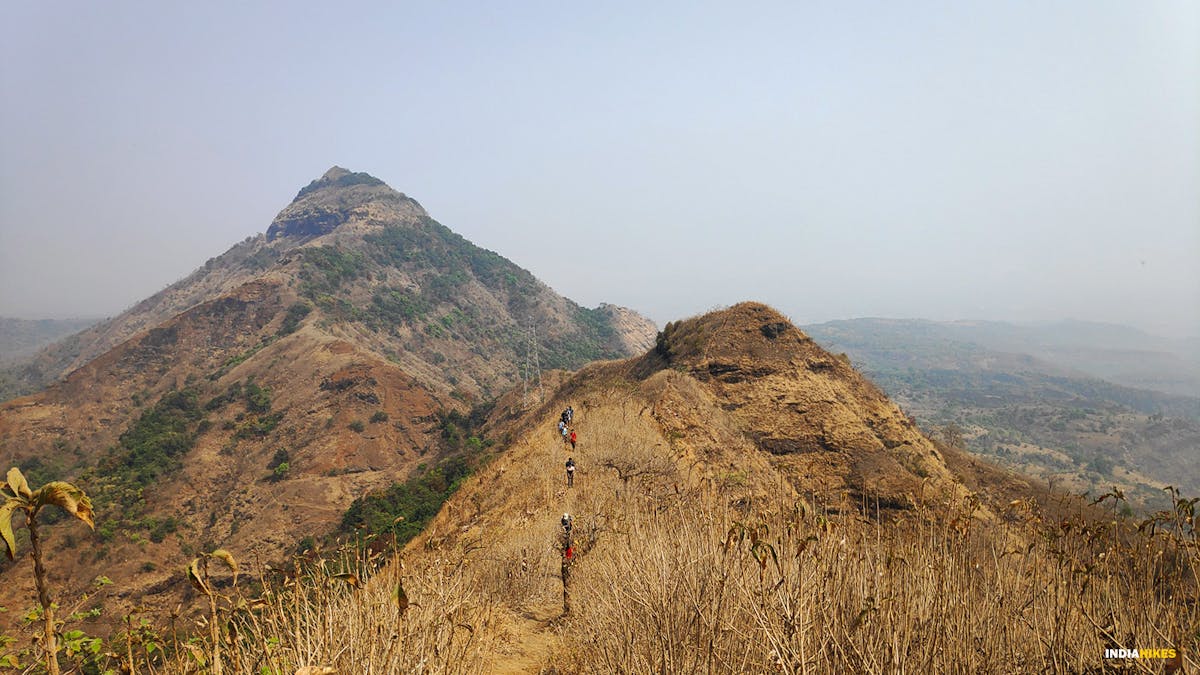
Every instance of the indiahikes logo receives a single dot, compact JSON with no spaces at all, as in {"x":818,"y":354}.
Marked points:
{"x":1139,"y":653}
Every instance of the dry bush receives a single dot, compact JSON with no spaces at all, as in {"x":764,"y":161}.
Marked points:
{"x":330,"y":614}
{"x":678,"y":575}
{"x":698,"y":587}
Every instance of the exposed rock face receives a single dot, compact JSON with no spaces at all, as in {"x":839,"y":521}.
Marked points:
{"x":634,"y":332}
{"x":334,"y":199}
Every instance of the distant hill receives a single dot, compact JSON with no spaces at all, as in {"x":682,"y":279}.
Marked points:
{"x":1041,"y":410}
{"x":1120,"y":354}
{"x":251,"y":402}
{"x":21,"y":337}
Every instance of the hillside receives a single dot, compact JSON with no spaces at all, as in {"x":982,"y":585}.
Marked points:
{"x":1043,"y":418}
{"x":744,"y":502}
{"x":250,"y":403}
{"x":20,"y":339}
{"x":1120,"y":354}
{"x":747,"y":502}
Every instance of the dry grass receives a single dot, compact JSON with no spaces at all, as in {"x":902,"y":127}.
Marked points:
{"x":316,"y":616}
{"x":683,"y":571}
{"x":698,"y":587}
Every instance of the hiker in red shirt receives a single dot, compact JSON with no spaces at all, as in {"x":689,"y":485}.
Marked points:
{"x":572,"y":439}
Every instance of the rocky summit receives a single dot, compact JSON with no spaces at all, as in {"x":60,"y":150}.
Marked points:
{"x":333,"y":200}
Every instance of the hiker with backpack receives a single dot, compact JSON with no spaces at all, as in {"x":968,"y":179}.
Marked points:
{"x":570,"y":471}
{"x":573,"y":439}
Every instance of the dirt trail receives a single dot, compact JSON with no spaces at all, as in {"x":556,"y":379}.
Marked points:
{"x":532,"y":645}
{"x":534,"y":636}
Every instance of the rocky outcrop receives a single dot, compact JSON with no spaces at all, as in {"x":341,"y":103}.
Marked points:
{"x":333,"y":200}
{"x":807,"y":407}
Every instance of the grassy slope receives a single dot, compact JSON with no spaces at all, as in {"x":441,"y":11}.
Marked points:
{"x":719,"y":565}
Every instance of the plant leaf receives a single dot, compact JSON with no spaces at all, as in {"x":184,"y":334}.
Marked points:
{"x":6,"y":531}
{"x":67,"y":497}
{"x":18,"y":484}
{"x":350,"y":579}
{"x":194,"y":575}
{"x":400,"y":597}
{"x":227,"y":557}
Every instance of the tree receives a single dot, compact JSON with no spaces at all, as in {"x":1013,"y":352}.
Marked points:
{"x":63,"y":495}
{"x":952,"y":435}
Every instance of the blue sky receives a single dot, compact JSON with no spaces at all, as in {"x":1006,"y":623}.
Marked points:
{"x":1016,"y":160}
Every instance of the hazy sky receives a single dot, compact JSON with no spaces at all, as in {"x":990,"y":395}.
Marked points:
{"x":1005,"y":160}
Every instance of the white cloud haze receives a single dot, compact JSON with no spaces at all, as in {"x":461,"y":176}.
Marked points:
{"x":1013,"y":160}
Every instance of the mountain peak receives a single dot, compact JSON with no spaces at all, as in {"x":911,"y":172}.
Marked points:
{"x":748,"y":330}
{"x":335,"y":172}
{"x":334,"y":199}
{"x":337,"y":177}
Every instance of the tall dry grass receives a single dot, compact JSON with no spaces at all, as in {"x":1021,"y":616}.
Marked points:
{"x":695,"y":586}
{"x":343,"y":616}
{"x":726,"y":574}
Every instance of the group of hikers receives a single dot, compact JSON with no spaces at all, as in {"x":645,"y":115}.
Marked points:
{"x":568,"y":549}
{"x":568,"y":432}
{"x":564,"y":426}
{"x":568,"y":435}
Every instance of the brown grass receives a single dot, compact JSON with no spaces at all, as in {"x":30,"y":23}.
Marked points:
{"x":315,"y":616}
{"x":699,"y":587}
{"x":717,"y":572}
{"x":695,"y":557}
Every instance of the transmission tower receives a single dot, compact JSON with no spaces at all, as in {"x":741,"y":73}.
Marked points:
{"x":531,"y":368}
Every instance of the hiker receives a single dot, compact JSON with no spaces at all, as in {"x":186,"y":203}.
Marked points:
{"x":570,"y":414}
{"x":570,"y":471}
{"x":567,"y":521}
{"x":573,"y":439}
{"x":565,"y":435}
{"x":565,"y":417}
{"x":562,"y":426}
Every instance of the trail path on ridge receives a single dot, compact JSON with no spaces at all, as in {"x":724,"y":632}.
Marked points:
{"x":534,"y":638}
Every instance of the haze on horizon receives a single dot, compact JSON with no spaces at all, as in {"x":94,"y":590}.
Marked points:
{"x":1005,"y":161}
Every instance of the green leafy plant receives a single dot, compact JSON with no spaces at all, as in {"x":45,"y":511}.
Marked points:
{"x":30,"y":502}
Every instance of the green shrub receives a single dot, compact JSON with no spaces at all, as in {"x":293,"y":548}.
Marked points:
{"x":291,"y":320}
{"x":281,"y":457}
{"x":326,"y":268}
{"x":258,"y":399}
{"x":394,"y":306}
{"x":258,"y":426}
{"x":151,"y":447}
